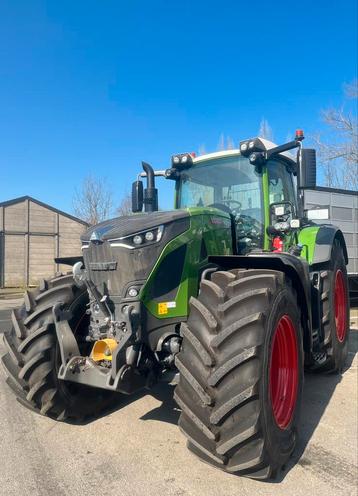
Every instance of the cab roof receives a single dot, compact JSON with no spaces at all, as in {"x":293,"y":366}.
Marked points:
{"x":236,"y":151}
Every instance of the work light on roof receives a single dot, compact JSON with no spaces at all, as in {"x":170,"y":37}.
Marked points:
{"x":182,"y":160}
{"x":249,"y":146}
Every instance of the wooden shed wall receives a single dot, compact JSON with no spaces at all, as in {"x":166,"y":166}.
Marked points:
{"x":31,"y":237}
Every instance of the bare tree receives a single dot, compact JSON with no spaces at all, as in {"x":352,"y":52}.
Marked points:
{"x":351,"y":89}
{"x":202,"y":149}
{"x":221,"y":144}
{"x":225,"y":143}
{"x":230,"y":145}
{"x":265,"y":130}
{"x":338,"y":148}
{"x":125,"y":206}
{"x":93,"y":203}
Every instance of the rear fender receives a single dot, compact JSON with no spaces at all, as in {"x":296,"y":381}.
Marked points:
{"x":297,"y":269}
{"x":317,"y":242}
{"x":325,"y":238}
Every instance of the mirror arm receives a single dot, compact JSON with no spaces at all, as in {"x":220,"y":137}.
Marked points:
{"x":283,"y":148}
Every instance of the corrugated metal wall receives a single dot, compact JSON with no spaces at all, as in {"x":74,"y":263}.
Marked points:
{"x":32,"y":235}
{"x":343,"y":213}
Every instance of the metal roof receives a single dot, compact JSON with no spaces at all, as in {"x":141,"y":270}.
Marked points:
{"x":236,"y":151}
{"x":20,"y":199}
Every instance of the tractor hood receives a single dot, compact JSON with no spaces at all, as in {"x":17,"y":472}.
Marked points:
{"x":132,"y":224}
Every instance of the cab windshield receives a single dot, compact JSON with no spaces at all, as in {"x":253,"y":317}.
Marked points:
{"x":230,"y":184}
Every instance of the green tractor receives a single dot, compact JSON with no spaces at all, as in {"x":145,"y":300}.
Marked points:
{"x":229,"y":296}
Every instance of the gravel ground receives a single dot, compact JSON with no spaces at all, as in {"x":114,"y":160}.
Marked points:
{"x":137,"y":448}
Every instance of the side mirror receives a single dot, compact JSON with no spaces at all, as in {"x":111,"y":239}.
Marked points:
{"x":307,"y":168}
{"x":137,"y":196}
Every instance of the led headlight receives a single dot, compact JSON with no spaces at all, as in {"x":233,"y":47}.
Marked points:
{"x":140,"y":239}
{"x":149,"y":236}
{"x":137,"y":240}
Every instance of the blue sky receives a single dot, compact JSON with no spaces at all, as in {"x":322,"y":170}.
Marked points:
{"x":97,"y":86}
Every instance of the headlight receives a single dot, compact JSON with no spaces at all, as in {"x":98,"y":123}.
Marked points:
{"x":149,"y":236}
{"x":139,"y":239}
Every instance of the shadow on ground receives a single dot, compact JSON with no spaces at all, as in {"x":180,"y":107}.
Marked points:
{"x":318,"y":390}
{"x":317,"y":393}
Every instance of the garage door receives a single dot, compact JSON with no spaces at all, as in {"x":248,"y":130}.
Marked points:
{"x":14,"y":260}
{"x":41,"y":258}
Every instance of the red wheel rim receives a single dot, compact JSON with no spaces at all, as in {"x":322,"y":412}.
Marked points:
{"x":283,"y":372}
{"x":340,"y":306}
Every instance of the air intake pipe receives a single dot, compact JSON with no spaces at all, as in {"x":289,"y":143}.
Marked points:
{"x":150,"y":192}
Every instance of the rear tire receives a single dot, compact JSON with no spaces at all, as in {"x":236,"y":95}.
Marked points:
{"x":239,"y":412}
{"x":335,"y":311}
{"x":32,"y":359}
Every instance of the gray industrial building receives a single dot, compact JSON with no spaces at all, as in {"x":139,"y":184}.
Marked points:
{"x":343,"y":212}
{"x":32,"y":234}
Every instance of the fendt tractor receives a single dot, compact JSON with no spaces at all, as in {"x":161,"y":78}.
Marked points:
{"x":229,"y":296}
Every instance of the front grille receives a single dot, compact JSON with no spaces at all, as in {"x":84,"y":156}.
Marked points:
{"x":96,"y":255}
{"x":112,"y":268}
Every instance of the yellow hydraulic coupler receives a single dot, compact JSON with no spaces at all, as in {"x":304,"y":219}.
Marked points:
{"x":103,"y":349}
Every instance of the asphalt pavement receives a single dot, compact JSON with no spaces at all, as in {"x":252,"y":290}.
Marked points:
{"x":137,"y":449}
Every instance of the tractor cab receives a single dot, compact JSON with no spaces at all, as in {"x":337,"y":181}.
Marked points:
{"x":231,"y":184}
{"x":255,"y":185}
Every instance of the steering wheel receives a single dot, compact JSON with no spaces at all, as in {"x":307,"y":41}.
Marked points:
{"x":226,"y":205}
{"x":235,"y":209}
{"x":247,"y":224}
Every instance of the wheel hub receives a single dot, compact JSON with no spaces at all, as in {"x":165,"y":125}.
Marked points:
{"x":340,"y":306}
{"x":283,"y":372}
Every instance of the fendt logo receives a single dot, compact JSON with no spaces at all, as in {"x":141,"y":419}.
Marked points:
{"x":95,"y":238}
{"x":103,"y":265}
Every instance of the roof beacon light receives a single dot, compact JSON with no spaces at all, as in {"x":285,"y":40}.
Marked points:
{"x":299,"y":136}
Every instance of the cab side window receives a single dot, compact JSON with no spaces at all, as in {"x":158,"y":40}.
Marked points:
{"x":281,"y":186}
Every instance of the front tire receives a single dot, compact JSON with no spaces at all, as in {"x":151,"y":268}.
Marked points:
{"x":32,"y":357}
{"x":241,"y":372}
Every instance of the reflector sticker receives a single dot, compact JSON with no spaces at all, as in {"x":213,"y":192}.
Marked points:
{"x":164,"y":306}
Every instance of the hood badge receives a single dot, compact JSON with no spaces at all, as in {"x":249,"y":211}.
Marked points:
{"x":103,"y":266}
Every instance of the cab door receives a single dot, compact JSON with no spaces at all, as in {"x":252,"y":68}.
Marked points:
{"x":281,"y":187}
